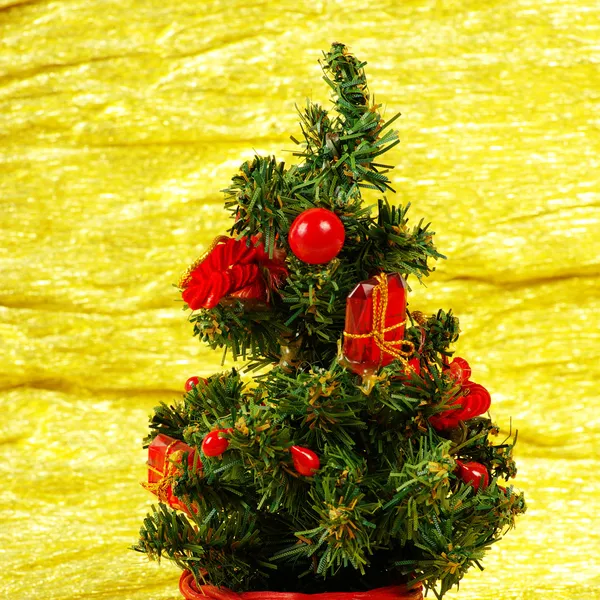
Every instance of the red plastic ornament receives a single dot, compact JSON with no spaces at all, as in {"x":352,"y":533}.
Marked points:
{"x":473,"y":473}
{"x":477,"y":401}
{"x":213,"y":444}
{"x":164,"y":464}
{"x":375,"y":321}
{"x":415,"y":365}
{"x":445,"y":420}
{"x":460,"y":370}
{"x":232,"y":268}
{"x":316,"y":236}
{"x":306,"y":462}
{"x":192,"y":382}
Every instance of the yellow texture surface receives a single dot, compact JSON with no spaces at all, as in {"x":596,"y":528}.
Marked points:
{"x":119,"y":124}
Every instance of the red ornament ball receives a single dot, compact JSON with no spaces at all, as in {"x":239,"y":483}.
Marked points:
{"x":306,"y":462}
{"x":213,"y":444}
{"x":473,"y":473}
{"x":316,"y":236}
{"x":192,"y":382}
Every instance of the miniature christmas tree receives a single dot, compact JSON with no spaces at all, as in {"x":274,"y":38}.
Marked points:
{"x":361,"y":456}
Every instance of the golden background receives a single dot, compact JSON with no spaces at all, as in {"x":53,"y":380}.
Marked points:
{"x":120,"y":121}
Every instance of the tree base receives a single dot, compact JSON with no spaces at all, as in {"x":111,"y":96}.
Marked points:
{"x":191,"y":591}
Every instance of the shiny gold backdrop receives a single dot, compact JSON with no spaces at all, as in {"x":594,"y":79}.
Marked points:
{"x":121,"y":121}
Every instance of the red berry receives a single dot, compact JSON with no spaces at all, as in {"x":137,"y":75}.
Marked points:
{"x":213,"y":444}
{"x":316,"y":236}
{"x":459,"y":369}
{"x":473,"y":473}
{"x":192,"y":382}
{"x":306,"y":462}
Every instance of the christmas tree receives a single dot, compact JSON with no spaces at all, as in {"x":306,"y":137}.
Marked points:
{"x":361,"y":454}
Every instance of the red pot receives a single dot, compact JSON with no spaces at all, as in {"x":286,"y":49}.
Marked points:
{"x":191,"y":591}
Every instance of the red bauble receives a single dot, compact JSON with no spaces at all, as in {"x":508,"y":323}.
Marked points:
{"x":473,"y":473}
{"x":460,"y":370}
{"x":192,"y":382}
{"x":306,"y":462}
{"x":213,"y":444}
{"x":375,"y":321}
{"x":316,"y":236}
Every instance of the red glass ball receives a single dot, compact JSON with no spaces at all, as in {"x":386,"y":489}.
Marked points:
{"x":316,"y":236}
{"x":192,"y":382}
{"x":306,"y":462}
{"x":473,"y":473}
{"x":213,"y":444}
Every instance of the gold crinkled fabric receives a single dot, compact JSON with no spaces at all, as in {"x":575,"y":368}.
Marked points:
{"x":121,"y":121}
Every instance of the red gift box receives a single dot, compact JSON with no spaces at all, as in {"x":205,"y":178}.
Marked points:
{"x":375,"y":323}
{"x":164,"y":465}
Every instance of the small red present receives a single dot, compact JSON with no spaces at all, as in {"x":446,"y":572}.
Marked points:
{"x":164,"y":465}
{"x":375,"y":322}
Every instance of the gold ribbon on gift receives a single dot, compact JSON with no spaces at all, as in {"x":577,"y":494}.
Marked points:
{"x":161,"y":487}
{"x":399,"y":349}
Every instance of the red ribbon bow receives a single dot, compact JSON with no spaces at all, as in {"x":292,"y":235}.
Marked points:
{"x":233,"y":268}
